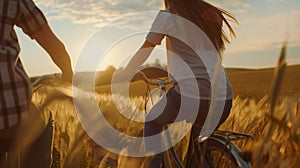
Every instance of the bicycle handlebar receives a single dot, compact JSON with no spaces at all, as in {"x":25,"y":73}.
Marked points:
{"x":151,"y":82}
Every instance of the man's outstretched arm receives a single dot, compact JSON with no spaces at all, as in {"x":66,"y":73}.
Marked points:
{"x":57,"y":51}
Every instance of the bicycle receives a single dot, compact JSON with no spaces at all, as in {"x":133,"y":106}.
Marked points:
{"x":7,"y":145}
{"x":216,"y":150}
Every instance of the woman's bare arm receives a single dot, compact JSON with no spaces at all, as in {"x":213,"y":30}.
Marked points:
{"x":140,"y":56}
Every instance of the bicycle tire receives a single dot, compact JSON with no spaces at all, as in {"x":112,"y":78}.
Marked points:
{"x":220,"y":153}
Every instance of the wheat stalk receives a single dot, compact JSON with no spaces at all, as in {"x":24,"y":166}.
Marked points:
{"x":279,"y":73}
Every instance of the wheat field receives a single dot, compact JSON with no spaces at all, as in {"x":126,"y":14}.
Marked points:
{"x":273,"y":119}
{"x":73,"y":148}
{"x":276,"y":144}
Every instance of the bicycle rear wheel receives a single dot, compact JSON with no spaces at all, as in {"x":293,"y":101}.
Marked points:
{"x":211,"y":154}
{"x":218,"y":154}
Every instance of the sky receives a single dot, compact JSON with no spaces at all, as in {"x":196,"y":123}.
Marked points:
{"x":263,"y":26}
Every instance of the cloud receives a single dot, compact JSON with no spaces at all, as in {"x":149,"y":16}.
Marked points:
{"x":99,"y":12}
{"x":94,"y":12}
{"x":267,"y":32}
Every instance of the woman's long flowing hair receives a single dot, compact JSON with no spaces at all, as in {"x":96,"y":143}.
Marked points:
{"x":207,"y":17}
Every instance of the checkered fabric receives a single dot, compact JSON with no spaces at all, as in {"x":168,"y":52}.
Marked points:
{"x":15,"y":88}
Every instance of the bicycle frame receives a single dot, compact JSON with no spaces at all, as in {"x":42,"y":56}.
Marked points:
{"x":223,"y":137}
{"x":166,"y":155}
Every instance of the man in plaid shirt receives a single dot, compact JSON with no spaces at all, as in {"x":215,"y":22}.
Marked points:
{"x":15,"y":88}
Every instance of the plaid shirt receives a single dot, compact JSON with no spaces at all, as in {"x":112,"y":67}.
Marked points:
{"x":15,"y":88}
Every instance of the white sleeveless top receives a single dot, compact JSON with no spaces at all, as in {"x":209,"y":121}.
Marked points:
{"x":191,"y":57}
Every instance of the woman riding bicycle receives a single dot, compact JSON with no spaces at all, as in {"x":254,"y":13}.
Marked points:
{"x":187,"y":66}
